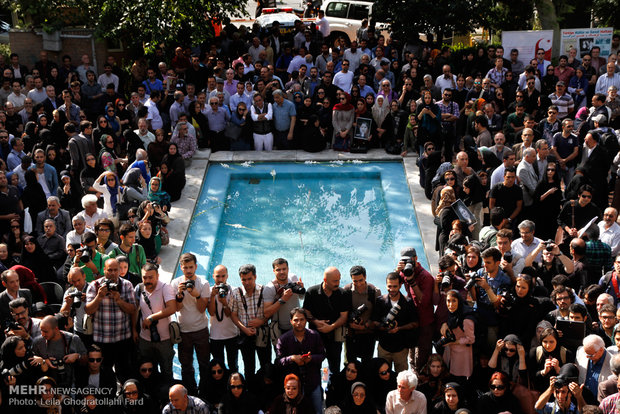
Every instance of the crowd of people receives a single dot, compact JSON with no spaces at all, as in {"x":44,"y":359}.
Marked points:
{"x":519,"y":161}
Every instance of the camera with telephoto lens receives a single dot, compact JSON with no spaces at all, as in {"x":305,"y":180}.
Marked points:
{"x":84,"y":253}
{"x":112,"y":287}
{"x":549,"y":245}
{"x":444,"y":340}
{"x":300,"y":290}
{"x":508,"y":257}
{"x":12,"y":325}
{"x":389,"y":321}
{"x":408,"y":269}
{"x":446,"y":279}
{"x":76,"y":295}
{"x":473,"y":279}
{"x":355,"y":316}
{"x":507,"y":298}
{"x":190,"y":284}
{"x":222,"y":290}
{"x":155,"y":337}
{"x":16,"y":370}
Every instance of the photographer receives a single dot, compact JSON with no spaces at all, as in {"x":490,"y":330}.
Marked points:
{"x":446,"y":280}
{"x":60,"y":349}
{"x":562,"y":391}
{"x":360,"y":340}
{"x":192,"y":299}
{"x":156,"y":304}
{"x":520,"y":310}
{"x":484,"y":287}
{"x":74,"y":303}
{"x":88,"y":258}
{"x":281,"y":295}
{"x":22,"y":324}
{"x":419,"y":287}
{"x":511,"y":264}
{"x":395,"y":317}
{"x":553,"y":262}
{"x":224,"y":332}
{"x":17,"y":365}
{"x":111,"y":301}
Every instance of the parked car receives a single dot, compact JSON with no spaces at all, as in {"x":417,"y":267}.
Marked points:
{"x":345,"y":17}
{"x":285,"y":17}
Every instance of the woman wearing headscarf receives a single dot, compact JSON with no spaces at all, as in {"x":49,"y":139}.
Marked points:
{"x":305,"y":111}
{"x":124,"y":115}
{"x":53,"y":158}
{"x":429,"y":118}
{"x":509,"y":358}
{"x":238,"y":400}
{"x":28,"y":280}
{"x":460,"y":325}
{"x":108,"y":185}
{"x":113,"y":121}
{"x":174,"y":178}
{"x":343,"y":116}
{"x":382,"y":121}
{"x":102,"y":128}
{"x":200,"y":123}
{"x":431,"y":165}
{"x":135,"y":190}
{"x":157,"y":194}
{"x":42,"y":121}
{"x":135,"y":400}
{"x":57,"y":128}
{"x":547,"y":202}
{"x":35,"y":259}
{"x":108,"y":159}
{"x":33,"y":196}
{"x":15,"y":357}
{"x":545,"y":360}
{"x":358,"y":400}
{"x":89,"y":174}
{"x":381,"y":380}
{"x":238,"y":129}
{"x":216,"y":383}
{"x":340,"y":383}
{"x":500,"y":398}
{"x":433,"y":378}
{"x":445,"y":216}
{"x":30,"y":136}
{"x":293,"y":400}
{"x":156,"y":150}
{"x":453,"y":399}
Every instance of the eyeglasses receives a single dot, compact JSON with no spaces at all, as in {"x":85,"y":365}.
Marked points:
{"x":585,"y":196}
{"x":90,"y":159}
{"x":592,"y":355}
{"x":562,"y":298}
{"x":552,"y":112}
{"x":587,"y":60}
{"x":130,"y":217}
{"x":550,"y":169}
{"x":121,"y":104}
{"x":213,"y":103}
{"x":607,"y":318}
{"x":511,"y":350}
{"x":430,"y":149}
{"x":146,"y":369}
{"x":14,"y":227}
{"x":383,"y":372}
{"x":236,"y":387}
{"x":217,"y":371}
{"x":497,"y":387}
{"x":95,"y":359}
{"x":450,"y":179}
{"x":519,"y":96}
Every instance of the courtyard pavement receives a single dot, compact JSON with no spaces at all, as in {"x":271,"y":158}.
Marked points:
{"x":182,"y":210}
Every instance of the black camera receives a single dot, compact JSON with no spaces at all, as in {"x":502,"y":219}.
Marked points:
{"x":155,"y":337}
{"x":77,"y":298}
{"x":473,"y":279}
{"x":446,"y":280}
{"x":222,"y":290}
{"x":508,"y":257}
{"x":190,"y":284}
{"x":16,"y":370}
{"x":389,"y":321}
{"x":12,"y":325}
{"x":300,"y":290}
{"x":549,"y":245}
{"x":112,"y":287}
{"x":444,"y":340}
{"x":408,"y":269}
{"x":355,"y":316}
{"x":84,"y":253}
{"x":508,"y":298}
{"x":59,"y":364}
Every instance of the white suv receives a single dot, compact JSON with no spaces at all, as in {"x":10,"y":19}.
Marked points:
{"x":345,"y":17}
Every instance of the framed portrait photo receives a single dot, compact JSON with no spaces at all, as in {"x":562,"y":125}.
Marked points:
{"x":362,"y":129}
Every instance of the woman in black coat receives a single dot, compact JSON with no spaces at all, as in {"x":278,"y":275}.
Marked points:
{"x":499,"y":399}
{"x":381,"y":380}
{"x":547,"y":203}
{"x":174,"y":176}
{"x":453,"y":400}
{"x":293,"y":400}
{"x":358,"y":400}
{"x":238,"y":399}
{"x":35,"y":259}
{"x":33,"y":196}
{"x":340,"y":384}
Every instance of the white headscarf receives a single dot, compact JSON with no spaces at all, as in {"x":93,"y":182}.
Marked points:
{"x":380,"y":111}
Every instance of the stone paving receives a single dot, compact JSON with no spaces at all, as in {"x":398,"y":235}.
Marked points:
{"x":182,"y":209}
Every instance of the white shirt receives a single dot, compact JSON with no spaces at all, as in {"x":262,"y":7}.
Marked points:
{"x":104,"y":80}
{"x":343,"y":80}
{"x":74,"y":238}
{"x":153,"y":115}
{"x":224,"y":329}
{"x":523,"y":250}
{"x":323,"y":26}
{"x":17,"y":101}
{"x":444,"y":83}
{"x":90,"y":220}
{"x":416,"y":404}
{"x":37,"y":95}
{"x":353,"y":58}
{"x":146,"y":138}
{"x":610,"y":236}
{"x":189,"y":318}
{"x":163,"y":293}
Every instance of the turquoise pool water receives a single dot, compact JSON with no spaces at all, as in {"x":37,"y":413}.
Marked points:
{"x":313,"y":214}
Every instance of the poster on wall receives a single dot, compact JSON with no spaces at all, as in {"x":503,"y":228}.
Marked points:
{"x":527,"y":42}
{"x":585,"y":39}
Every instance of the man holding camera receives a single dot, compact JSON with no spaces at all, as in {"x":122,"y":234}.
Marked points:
{"x":74,"y":302}
{"x":130,"y":249}
{"x":156,"y":303}
{"x":360,"y":340}
{"x":419,"y":287}
{"x":192,"y":299}
{"x":484,"y":288}
{"x":60,"y":350}
{"x":562,"y":392}
{"x":282,"y":295}
{"x":224,"y":332}
{"x":22,"y":324}
{"x":88,"y":258}
{"x":111,"y":301}
{"x":395,"y":318}
{"x":511,"y":264}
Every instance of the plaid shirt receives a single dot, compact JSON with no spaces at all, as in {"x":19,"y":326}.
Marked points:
{"x":110,"y":323}
{"x":452,"y":108}
{"x":194,"y":406}
{"x":255,"y":304}
{"x":497,"y":77}
{"x":599,"y":254}
{"x":609,"y":403}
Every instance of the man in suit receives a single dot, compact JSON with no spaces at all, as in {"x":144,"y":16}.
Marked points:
{"x":528,"y":179}
{"x":596,"y":162}
{"x":60,"y":216}
{"x":94,"y":374}
{"x":543,"y":159}
{"x":10,"y":281}
{"x":592,"y":361}
{"x":51,"y":102}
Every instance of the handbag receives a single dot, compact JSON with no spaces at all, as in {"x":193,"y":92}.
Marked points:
{"x":164,"y":235}
{"x":87,"y":324}
{"x":175,"y":332}
{"x":262,"y":332}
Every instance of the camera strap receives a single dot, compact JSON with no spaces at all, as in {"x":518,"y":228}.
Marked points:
{"x":245,"y":304}
{"x":218,"y":316}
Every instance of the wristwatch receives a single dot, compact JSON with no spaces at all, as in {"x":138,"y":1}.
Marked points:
{"x":282,"y":302}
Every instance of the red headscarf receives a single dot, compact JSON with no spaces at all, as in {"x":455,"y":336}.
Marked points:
{"x":344,"y":106}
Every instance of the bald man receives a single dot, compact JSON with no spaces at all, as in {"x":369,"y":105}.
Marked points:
{"x":329,"y":307}
{"x":610,"y":230}
{"x":180,"y":402}
{"x":223,"y":332}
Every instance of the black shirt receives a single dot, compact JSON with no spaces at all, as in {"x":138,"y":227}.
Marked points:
{"x":402,"y":339}
{"x":325,"y":307}
{"x":507,"y":197}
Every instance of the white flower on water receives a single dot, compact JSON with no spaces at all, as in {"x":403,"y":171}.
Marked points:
{"x":338,"y":162}
{"x":357,"y":162}
{"x":311,"y":162}
{"x":247,"y":164}
{"x":224,"y":165}
{"x":273,"y":173}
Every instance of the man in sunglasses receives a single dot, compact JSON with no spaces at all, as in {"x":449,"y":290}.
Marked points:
{"x":596,"y":162}
{"x":94,"y":374}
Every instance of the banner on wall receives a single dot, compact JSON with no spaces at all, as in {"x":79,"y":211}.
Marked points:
{"x":527,"y":42}
{"x":584,"y":39}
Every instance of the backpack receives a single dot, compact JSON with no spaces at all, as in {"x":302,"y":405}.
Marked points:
{"x":485,"y":242}
{"x":609,"y":140}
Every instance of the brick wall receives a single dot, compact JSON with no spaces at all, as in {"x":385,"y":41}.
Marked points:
{"x":28,"y":44}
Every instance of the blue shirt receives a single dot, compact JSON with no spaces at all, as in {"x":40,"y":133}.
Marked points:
{"x":366,"y":90}
{"x":593,"y":372}
{"x":282,"y":115}
{"x":485,"y":307}
{"x":158,"y":85}
{"x":218,"y":120}
{"x":236,"y":98}
{"x":553,"y":407}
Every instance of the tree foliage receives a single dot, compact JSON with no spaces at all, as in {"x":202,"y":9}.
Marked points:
{"x":607,"y":12}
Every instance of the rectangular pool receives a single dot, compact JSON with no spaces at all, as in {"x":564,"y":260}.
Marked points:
{"x":313,"y":214}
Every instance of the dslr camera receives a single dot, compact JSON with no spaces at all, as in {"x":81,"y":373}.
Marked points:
{"x":189,"y":284}
{"x":16,"y":370}
{"x":76,"y":295}
{"x":446,"y":279}
{"x":84,"y":253}
{"x":389,"y":322}
{"x":11,"y":325}
{"x":222,"y":290}
{"x":508,"y":257}
{"x":508,"y":298}
{"x":549,"y":245}
{"x":300,"y":290}
{"x":355,"y":316}
{"x":408,"y":269}
{"x":112,"y":287}
{"x":473,"y":279}
{"x":444,"y":340}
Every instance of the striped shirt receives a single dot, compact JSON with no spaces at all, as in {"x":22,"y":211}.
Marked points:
{"x":564,"y":103}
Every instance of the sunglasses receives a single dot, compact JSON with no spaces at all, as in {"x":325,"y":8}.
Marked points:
{"x":95,"y":359}
{"x":430,"y":149}
{"x":585,"y":196}
{"x":14,"y":227}
{"x":236,"y":387}
{"x":383,"y":372}
{"x":450,"y":179}
{"x":511,"y":350}
{"x":550,"y":169}
{"x":497,"y":387}
{"x":131,"y":393}
{"x":217,"y":371}
{"x":146,"y":369}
